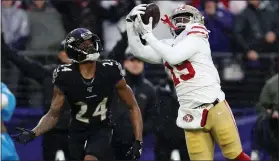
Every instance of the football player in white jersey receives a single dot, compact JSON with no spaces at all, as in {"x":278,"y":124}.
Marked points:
{"x":204,"y":113}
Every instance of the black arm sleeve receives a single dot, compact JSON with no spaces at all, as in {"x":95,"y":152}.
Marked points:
{"x":150,"y":112}
{"x":118,"y":51}
{"x":30,"y":68}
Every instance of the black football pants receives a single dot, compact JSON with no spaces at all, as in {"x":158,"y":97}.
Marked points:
{"x":53,"y":141}
{"x":92,"y":142}
{"x":120,"y":149}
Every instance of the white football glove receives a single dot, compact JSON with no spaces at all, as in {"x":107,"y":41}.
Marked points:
{"x":142,"y":28}
{"x":139,"y":9}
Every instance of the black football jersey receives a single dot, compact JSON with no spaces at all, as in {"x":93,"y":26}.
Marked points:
{"x":89,"y":99}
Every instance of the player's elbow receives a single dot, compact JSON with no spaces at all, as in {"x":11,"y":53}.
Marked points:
{"x":134,"y":108}
{"x":173,"y":60}
{"x":53,"y":114}
{"x":134,"y":50}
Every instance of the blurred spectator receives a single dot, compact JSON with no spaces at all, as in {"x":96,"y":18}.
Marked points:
{"x":169,"y":137}
{"x":270,"y":5}
{"x":219,"y":22}
{"x":70,"y":13}
{"x":116,"y":54}
{"x":46,"y":26}
{"x":265,"y":132}
{"x":118,"y":9}
{"x":15,"y":25}
{"x":57,"y":138}
{"x":113,"y":13}
{"x":224,"y":4}
{"x":269,"y":95}
{"x":237,"y":6}
{"x":256,"y":30}
{"x":144,"y":93}
{"x":146,"y":97}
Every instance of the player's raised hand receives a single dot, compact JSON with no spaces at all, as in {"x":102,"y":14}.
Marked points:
{"x":24,"y":136}
{"x":142,"y":28}
{"x":136,"y":150}
{"x":139,"y":9}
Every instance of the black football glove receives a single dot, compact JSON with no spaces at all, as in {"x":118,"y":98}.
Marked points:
{"x":136,"y":150}
{"x":25,"y":136}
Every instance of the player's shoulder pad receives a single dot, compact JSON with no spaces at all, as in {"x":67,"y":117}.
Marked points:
{"x":61,"y":71}
{"x":196,"y":29}
{"x":109,"y":63}
{"x":112,"y":65}
{"x":64,"y":68}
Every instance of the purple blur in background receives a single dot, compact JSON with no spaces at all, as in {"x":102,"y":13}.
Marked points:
{"x":28,"y":118}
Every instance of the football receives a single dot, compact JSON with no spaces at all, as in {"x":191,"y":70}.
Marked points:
{"x":152,"y":10}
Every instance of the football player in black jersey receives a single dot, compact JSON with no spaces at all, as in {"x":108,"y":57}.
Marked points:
{"x":88,"y":85}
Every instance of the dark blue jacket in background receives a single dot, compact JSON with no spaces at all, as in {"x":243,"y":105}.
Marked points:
{"x":220,"y":26}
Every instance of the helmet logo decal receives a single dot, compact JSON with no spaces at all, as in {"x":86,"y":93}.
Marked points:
{"x":70,"y":40}
{"x":86,"y":35}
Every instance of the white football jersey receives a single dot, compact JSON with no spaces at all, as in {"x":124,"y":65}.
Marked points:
{"x":196,"y":80}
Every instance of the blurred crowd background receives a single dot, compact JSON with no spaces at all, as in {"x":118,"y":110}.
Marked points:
{"x":244,"y":39}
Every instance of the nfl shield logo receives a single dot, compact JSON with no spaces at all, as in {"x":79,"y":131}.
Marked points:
{"x":188,"y":118}
{"x":89,"y":89}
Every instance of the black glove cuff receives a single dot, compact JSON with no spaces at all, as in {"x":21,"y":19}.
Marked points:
{"x":33,"y":134}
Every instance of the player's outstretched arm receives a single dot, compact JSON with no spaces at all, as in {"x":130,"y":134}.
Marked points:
{"x":172,"y":54}
{"x":50,"y":119}
{"x":126,"y":94}
{"x":178,"y":53}
{"x":144,"y":52}
{"x":47,"y":122}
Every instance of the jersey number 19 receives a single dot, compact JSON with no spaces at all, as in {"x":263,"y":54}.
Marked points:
{"x":101,"y":110}
{"x":185,"y":65}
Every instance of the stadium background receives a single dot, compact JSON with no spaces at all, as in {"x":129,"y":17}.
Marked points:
{"x":242,"y":76}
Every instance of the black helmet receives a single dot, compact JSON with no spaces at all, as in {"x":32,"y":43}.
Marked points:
{"x":79,"y":48}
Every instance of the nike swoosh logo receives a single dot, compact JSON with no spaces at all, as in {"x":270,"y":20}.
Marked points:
{"x":91,"y":96}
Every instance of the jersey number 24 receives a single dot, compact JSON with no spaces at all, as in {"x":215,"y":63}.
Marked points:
{"x":185,"y":65}
{"x":101,"y":110}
